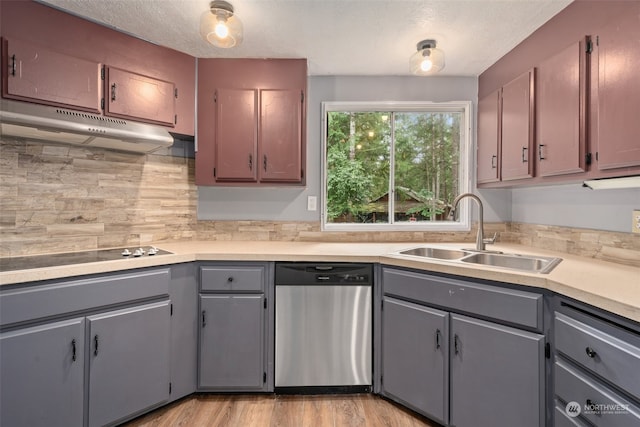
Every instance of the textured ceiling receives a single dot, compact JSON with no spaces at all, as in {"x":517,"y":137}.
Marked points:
{"x":339,"y":37}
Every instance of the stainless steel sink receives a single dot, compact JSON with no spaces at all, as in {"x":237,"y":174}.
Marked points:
{"x":527,"y":263}
{"x":534,"y":264}
{"x":437,"y":253}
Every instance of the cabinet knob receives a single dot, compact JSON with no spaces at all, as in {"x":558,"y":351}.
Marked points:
{"x":230,"y":279}
{"x":590,"y":352}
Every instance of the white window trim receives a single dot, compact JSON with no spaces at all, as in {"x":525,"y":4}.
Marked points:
{"x":464,"y":218}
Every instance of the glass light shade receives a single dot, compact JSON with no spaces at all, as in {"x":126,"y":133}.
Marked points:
{"x":426,"y":61}
{"x":221,"y":29}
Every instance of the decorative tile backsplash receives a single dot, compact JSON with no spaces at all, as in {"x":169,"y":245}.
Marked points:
{"x":58,"y":198}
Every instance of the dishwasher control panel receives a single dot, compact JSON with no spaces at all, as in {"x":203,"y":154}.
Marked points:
{"x":301,"y":273}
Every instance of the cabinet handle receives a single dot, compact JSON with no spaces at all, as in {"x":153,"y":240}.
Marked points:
{"x":73,"y":350}
{"x":264,"y":162}
{"x":494,"y":163}
{"x":540,"y":156}
{"x":524,"y":157}
{"x":250,"y":162}
{"x":438,"y":338}
{"x":590,"y":352}
{"x":13,"y":65}
{"x":95,"y":343}
{"x":204,"y":318}
{"x":113,"y":92}
{"x":456,"y":344}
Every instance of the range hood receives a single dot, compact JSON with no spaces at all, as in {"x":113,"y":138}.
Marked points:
{"x":54,"y":124}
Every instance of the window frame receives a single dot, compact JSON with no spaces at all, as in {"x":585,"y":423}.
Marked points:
{"x":466,"y":163}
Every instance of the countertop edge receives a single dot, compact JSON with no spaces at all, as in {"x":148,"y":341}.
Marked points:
{"x":605,"y":285}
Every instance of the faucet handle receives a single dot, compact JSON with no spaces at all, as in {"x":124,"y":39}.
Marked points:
{"x":491,"y":240}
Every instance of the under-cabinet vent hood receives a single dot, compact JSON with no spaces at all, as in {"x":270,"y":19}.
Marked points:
{"x":56,"y":124}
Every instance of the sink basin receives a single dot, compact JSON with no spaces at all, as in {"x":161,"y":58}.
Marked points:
{"x":526,"y":263}
{"x":534,"y":264}
{"x":436,"y":253}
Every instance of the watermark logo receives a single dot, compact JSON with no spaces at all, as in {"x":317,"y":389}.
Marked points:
{"x":573,"y":409}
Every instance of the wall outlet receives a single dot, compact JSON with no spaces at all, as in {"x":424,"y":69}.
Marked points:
{"x":312,"y":203}
{"x":635,"y":222}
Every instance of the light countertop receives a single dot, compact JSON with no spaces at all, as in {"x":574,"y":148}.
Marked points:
{"x":609,"y":286}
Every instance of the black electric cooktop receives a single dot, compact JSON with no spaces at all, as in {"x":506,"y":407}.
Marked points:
{"x":53,"y":260}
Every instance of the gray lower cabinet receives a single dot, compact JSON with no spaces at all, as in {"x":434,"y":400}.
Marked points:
{"x":42,"y":375}
{"x":497,"y":375}
{"x":232,"y":342}
{"x":233,"y":328}
{"x":86,"y":351}
{"x":128,"y":362}
{"x":416,"y":357}
{"x":596,"y":367}
{"x":183,"y":291}
{"x":440,"y":360}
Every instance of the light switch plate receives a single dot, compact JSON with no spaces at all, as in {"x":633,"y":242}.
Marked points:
{"x":635,"y":222}
{"x":312,"y":203}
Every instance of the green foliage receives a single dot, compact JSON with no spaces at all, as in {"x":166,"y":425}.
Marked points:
{"x":426,"y":161}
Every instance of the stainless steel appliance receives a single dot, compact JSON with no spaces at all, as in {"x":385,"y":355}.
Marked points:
{"x":323,"y":337}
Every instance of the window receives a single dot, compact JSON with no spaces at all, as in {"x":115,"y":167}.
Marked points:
{"x":395,"y":166}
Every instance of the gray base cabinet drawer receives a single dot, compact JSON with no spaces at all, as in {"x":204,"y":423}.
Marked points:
{"x":600,"y":405}
{"x":232,"y":278}
{"x":509,"y":305}
{"x":40,"y":301}
{"x":617,"y":360}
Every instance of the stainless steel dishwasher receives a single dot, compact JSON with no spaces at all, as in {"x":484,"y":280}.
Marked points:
{"x":323,"y":327}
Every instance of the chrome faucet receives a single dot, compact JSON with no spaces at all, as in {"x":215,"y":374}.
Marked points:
{"x":480,"y":240}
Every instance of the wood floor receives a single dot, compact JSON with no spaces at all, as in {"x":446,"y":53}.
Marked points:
{"x":281,"y":411}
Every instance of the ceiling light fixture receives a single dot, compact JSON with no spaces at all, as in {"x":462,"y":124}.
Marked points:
{"x":427,"y":60}
{"x":219,"y":26}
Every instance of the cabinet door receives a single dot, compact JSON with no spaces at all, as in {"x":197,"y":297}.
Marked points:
{"x":415,"y":357}
{"x":37,"y":74}
{"x":129,"y":362}
{"x":183,"y":291}
{"x":281,"y":135}
{"x":42,"y":375}
{"x":497,"y":375}
{"x":560,"y":112}
{"x":232,"y":342}
{"x":517,"y":128}
{"x":236,"y":135}
{"x":617,"y":94}
{"x":489,"y":138}
{"x":137,"y":97}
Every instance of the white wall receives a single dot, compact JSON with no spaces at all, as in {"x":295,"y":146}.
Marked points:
{"x":290,"y":204}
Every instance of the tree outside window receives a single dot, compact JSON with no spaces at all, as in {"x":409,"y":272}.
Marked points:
{"x":400,"y":166}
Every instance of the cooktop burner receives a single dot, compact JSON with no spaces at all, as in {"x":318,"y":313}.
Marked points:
{"x":41,"y":261}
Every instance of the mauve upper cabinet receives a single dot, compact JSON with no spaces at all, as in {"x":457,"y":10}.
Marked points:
{"x":615,"y":133}
{"x":251,"y":122}
{"x":35,"y":73}
{"x":64,"y":60}
{"x":586,"y":98}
